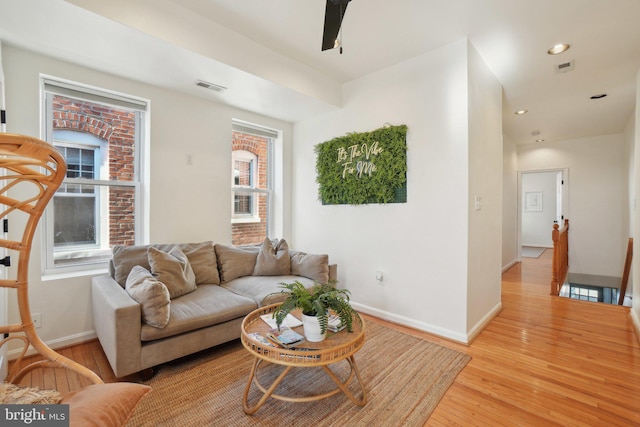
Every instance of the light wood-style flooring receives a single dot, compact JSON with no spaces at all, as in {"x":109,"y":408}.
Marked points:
{"x":543,"y":361}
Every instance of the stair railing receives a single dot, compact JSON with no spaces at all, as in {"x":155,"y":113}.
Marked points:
{"x":560,"y":265}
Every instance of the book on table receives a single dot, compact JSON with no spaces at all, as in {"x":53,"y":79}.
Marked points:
{"x":285,"y":337}
{"x":334,"y":324}
{"x":290,"y":320}
{"x":262,"y":340}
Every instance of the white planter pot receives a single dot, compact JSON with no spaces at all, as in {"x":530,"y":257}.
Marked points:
{"x":312,"y":329}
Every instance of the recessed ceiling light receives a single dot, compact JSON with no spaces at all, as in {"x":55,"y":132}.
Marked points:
{"x":520,"y":112}
{"x":558,"y":49}
{"x":539,"y":140}
{"x":598,"y":96}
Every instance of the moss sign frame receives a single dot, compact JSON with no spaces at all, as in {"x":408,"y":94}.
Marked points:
{"x":361,"y":168}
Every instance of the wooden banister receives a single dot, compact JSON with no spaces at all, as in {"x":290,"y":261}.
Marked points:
{"x":625,"y":273}
{"x":560,"y":265}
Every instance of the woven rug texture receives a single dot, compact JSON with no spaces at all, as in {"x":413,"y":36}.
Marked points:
{"x":404,"y":377}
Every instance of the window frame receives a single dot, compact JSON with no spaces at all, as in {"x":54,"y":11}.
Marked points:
{"x":246,"y":190}
{"x":98,"y":260}
{"x":275,"y":183}
{"x":96,"y":148}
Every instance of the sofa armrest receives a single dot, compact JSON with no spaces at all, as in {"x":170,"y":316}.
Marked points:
{"x":117,"y":322}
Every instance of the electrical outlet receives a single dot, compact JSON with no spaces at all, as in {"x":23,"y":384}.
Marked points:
{"x":37,"y":320}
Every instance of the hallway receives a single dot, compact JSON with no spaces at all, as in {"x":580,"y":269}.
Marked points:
{"x":546,"y":361}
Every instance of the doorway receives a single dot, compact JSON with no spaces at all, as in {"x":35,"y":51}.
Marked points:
{"x":542,"y":199}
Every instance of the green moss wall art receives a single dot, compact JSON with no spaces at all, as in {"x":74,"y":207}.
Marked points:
{"x":361,"y":168}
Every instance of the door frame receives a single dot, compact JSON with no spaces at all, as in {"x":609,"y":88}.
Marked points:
{"x":565,"y":200}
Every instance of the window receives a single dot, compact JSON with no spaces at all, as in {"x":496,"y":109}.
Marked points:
{"x":245,"y":205}
{"x":100,"y":135}
{"x":76,"y":207}
{"x":252,"y":188}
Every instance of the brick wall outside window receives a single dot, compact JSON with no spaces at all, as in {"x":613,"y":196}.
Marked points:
{"x":116,"y":127}
{"x":256,"y":232}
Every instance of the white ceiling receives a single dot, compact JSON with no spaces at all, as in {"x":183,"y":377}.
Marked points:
{"x":268,"y":52}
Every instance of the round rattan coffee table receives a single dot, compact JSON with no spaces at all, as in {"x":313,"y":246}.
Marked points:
{"x":336,"y":347}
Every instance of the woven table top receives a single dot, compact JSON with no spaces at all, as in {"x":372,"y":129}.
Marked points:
{"x":337,"y":346}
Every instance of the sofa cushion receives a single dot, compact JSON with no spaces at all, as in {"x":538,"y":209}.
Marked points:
{"x":207,"y":305}
{"x":173,"y":269}
{"x":273,"y":260}
{"x":312,"y":266}
{"x":202,"y":258}
{"x":261,"y":288}
{"x":235,"y":261}
{"x":151,"y":294}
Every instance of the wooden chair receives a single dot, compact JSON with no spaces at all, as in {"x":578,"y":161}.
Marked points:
{"x":31,"y":171}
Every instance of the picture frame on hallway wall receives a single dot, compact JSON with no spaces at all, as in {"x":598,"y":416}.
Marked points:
{"x":533,"y":201}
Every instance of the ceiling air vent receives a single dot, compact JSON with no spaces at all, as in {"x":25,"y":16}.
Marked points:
{"x":210,"y":86}
{"x":565,"y":67}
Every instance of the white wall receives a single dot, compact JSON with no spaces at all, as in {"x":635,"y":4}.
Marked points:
{"x":635,"y":270}
{"x":537,"y":225}
{"x":510,"y":252}
{"x":485,"y":194}
{"x":187,"y":203}
{"x":598,"y":198}
{"x":422,"y":246}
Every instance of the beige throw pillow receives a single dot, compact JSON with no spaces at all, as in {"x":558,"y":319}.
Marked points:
{"x":273,"y":261}
{"x":151,"y":294}
{"x":235,"y":261}
{"x":202,"y":258}
{"x":173,"y":269}
{"x":314,"y":267}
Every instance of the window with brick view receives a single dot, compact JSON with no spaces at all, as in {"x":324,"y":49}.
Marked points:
{"x":251,"y":187}
{"x":96,"y":206}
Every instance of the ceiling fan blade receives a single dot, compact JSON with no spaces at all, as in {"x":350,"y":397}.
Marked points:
{"x":333,"y":15}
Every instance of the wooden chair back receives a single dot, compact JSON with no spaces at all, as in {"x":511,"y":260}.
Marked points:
{"x":31,"y":171}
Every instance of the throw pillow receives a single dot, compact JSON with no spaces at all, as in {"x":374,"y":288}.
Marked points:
{"x":151,"y":294}
{"x":314,"y":267}
{"x":173,"y":269}
{"x":235,"y":261}
{"x":273,"y":261}
{"x":202,"y":258}
{"x":124,"y":258}
{"x":104,"y":405}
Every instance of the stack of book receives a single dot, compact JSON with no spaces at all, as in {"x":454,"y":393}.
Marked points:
{"x":285,"y":337}
{"x":334,"y":324}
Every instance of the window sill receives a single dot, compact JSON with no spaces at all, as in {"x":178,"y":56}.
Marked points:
{"x":248,"y":220}
{"x":79,"y":271}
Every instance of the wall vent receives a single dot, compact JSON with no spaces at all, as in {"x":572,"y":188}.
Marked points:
{"x":565,"y":67}
{"x":211,"y":86}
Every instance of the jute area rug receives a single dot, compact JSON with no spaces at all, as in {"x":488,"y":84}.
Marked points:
{"x":405,"y":378}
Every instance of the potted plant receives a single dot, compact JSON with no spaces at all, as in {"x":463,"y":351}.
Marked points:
{"x":315,"y":303}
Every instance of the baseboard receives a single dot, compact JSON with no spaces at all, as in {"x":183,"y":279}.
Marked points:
{"x":57,"y":343}
{"x":483,"y":323}
{"x":636,"y":323}
{"x":412,"y":323}
{"x":536,"y":245}
{"x":511,"y":264}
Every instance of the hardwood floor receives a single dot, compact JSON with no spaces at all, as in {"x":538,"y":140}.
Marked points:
{"x":543,"y":361}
